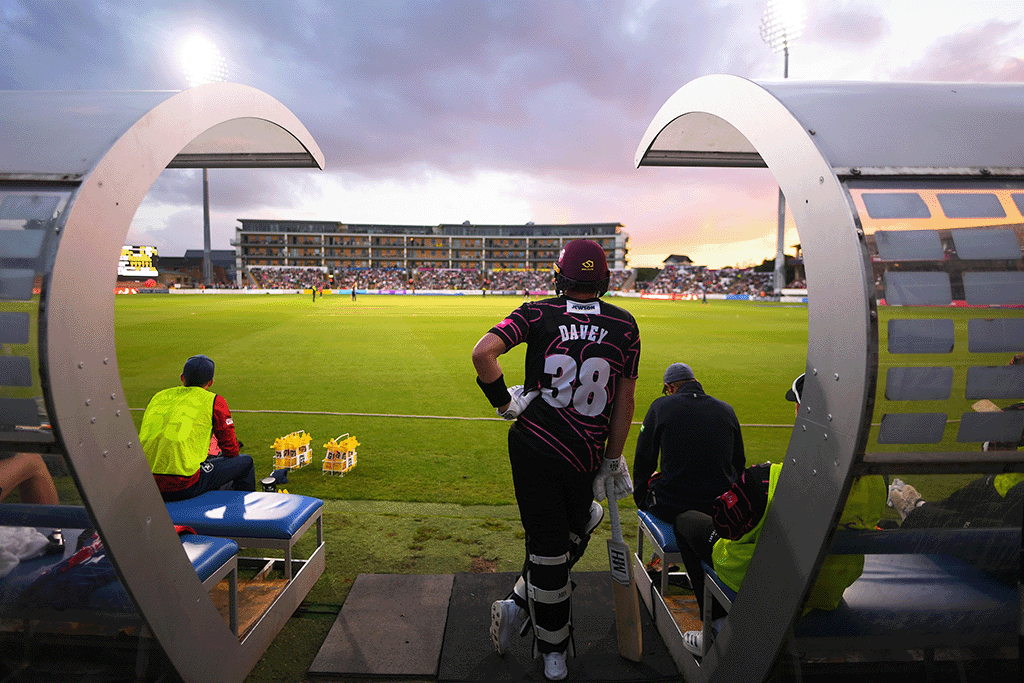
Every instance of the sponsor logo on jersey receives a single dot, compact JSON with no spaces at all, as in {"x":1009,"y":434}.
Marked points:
{"x":590,"y":308}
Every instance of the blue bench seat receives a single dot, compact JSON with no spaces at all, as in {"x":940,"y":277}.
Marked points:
{"x":252,"y":519}
{"x":662,"y":537}
{"x":910,"y":596}
{"x":213,"y":559}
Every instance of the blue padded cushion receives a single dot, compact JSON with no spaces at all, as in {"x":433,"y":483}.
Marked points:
{"x":964,"y":543}
{"x":47,"y":516}
{"x":925,"y":594}
{"x":245,"y":514}
{"x":206,"y":554}
{"x":663,"y":532}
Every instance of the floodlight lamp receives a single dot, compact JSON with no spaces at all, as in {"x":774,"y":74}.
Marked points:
{"x":202,"y":61}
{"x":782,"y":23}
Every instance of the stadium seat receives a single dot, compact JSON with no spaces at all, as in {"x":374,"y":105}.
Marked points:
{"x":253,"y":519}
{"x":927,"y":600}
{"x":662,"y":537}
{"x":214,"y":559}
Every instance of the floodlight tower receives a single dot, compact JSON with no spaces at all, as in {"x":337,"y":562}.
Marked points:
{"x":781,"y":24}
{"x":203,"y":63}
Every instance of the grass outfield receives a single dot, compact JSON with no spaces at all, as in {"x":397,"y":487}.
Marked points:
{"x":410,"y":356}
{"x":430,"y":495}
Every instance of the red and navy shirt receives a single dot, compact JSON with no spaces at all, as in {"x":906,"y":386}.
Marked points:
{"x":576,"y":351}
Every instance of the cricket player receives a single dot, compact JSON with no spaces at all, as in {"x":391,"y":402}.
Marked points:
{"x":572,"y":415}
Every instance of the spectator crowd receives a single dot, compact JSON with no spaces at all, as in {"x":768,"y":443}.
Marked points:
{"x":671,"y":280}
{"x":697,"y":281}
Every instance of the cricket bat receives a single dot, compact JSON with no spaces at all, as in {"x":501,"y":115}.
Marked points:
{"x":627,"y":602}
{"x":986,"y":406}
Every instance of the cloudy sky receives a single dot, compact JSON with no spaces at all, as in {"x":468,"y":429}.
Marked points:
{"x":493,"y":112}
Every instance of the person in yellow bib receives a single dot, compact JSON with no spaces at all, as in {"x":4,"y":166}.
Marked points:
{"x":175,"y":435}
{"x":727,"y":539}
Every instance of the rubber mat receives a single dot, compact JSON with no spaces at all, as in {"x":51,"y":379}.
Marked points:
{"x":390,"y":625}
{"x":468,"y":656}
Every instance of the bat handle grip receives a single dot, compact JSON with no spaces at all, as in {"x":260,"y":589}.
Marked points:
{"x":613,"y":511}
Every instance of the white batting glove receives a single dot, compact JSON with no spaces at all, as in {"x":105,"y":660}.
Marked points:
{"x":613,"y":471}
{"x":518,"y":403}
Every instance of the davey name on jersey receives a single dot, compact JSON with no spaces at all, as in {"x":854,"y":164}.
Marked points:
{"x":593,"y":333}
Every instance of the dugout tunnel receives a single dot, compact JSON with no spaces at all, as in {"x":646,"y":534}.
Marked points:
{"x":74,"y":168}
{"x":909,"y":202}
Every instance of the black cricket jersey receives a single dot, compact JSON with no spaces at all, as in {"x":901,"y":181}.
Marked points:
{"x":576,"y":351}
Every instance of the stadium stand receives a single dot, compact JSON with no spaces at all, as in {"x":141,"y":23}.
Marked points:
{"x":696,"y":280}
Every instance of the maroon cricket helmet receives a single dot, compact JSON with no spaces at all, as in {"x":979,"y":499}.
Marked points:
{"x":582,"y":265}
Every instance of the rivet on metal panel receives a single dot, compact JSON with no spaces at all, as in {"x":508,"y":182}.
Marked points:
{"x":118,"y":413}
{"x":88,"y":401}
{"x":814,"y":472}
{"x":112,"y":397}
{"x":129,"y":444}
{"x":803,"y":427}
{"x":830,"y":417}
{"x":814,"y":371}
{"x":105,"y":453}
{"x":92,"y":420}
{"x":821,"y":179}
{"x":825,"y":436}
{"x":106,"y":360}
{"x":985,"y":171}
{"x":811,"y":131}
{"x":837,"y":462}
{"x":855,"y":171}
{"x":81,"y":365}
{"x":837,"y":376}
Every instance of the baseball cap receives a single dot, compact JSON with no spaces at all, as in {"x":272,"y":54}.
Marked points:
{"x":198,"y":371}
{"x":796,"y":391}
{"x":582,"y":261}
{"x":678,"y":372}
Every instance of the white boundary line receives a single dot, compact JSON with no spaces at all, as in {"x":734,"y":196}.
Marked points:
{"x":417,"y":417}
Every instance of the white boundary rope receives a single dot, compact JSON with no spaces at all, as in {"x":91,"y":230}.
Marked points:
{"x":415,"y":417}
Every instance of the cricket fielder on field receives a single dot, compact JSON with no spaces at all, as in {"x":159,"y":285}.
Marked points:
{"x":572,"y":415}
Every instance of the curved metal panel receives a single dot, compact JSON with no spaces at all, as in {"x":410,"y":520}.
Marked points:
{"x":82,"y":383}
{"x":835,"y":414}
{"x":924,"y":125}
{"x":63,"y":135}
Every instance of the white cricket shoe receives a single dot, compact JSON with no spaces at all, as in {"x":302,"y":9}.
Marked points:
{"x":693,"y":641}
{"x":504,"y":614}
{"x":554,"y":666}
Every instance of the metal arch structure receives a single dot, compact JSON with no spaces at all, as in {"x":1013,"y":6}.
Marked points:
{"x":102,"y":152}
{"x":818,"y":138}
